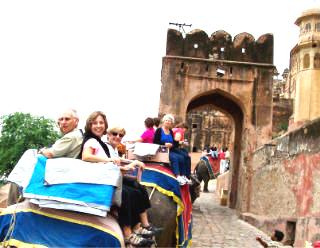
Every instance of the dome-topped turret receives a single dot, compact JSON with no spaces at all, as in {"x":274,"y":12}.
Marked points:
{"x":304,"y":76}
{"x":309,"y":23}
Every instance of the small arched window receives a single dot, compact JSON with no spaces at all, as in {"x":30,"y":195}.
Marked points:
{"x":317,"y":27}
{"x":316,"y":61}
{"x":306,"y":61}
{"x":307,"y":27}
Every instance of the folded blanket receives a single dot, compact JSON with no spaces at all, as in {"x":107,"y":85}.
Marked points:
{"x":69,"y":170}
{"x":78,"y":193}
{"x":145,"y":149}
{"x":67,"y":206}
{"x":66,"y":183}
{"x":23,"y":170}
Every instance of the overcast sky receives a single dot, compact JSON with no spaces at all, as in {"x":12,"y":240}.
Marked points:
{"x":107,"y":55}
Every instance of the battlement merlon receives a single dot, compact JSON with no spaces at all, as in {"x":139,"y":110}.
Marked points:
{"x":220,"y":46}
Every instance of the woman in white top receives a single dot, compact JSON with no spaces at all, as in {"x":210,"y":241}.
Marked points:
{"x":134,"y":198}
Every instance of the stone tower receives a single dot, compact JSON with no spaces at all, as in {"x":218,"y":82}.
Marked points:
{"x":305,"y":68}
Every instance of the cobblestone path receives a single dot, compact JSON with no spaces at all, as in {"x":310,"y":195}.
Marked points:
{"x":218,"y":226}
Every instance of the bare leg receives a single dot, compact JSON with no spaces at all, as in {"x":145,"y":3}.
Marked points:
{"x":134,"y":239}
{"x":205,"y":186}
{"x":144,"y":219}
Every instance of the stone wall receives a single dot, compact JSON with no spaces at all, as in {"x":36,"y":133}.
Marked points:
{"x":286,"y":182}
{"x":282,"y":110}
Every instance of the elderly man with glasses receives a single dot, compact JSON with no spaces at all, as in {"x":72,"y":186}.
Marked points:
{"x":69,"y":144}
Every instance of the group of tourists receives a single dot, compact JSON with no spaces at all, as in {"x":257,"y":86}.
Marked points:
{"x":89,"y":146}
{"x":221,"y":155}
{"x":172,"y":137}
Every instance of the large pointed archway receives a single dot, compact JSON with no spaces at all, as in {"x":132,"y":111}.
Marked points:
{"x":229,"y":105}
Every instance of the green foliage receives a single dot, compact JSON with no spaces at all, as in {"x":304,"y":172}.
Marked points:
{"x":283,"y":126}
{"x":19,"y":132}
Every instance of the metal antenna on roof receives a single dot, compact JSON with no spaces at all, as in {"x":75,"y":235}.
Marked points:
{"x":180,"y":25}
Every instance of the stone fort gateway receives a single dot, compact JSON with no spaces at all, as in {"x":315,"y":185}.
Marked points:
{"x":234,"y":76}
{"x":222,"y":87}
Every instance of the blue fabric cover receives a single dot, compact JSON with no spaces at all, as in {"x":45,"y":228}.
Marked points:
{"x":37,"y":229}
{"x":88,"y":193}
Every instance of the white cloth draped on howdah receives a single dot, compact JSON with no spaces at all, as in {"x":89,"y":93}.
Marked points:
{"x":69,"y":206}
{"x":69,"y":170}
{"x":66,"y":183}
{"x":145,"y":149}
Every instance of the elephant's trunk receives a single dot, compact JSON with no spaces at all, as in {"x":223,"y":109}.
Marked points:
{"x":194,"y":188}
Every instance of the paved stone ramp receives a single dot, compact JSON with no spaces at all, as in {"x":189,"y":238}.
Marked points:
{"x":218,"y":226}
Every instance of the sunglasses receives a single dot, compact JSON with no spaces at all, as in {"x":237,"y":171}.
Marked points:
{"x":119,"y":134}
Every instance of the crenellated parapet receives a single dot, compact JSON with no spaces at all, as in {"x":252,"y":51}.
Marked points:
{"x":220,"y":46}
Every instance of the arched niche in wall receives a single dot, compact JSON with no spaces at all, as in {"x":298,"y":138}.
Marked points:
{"x":306,"y":61}
{"x":316,"y":61}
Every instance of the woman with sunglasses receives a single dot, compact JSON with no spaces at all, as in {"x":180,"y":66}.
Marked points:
{"x":134,"y":198}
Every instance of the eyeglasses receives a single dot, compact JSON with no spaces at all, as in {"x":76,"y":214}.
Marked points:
{"x":64,"y":119}
{"x":119,"y":134}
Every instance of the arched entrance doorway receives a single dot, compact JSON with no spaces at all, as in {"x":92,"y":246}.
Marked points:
{"x":227,"y":104}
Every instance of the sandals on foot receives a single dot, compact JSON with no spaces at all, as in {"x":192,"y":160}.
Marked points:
{"x":144,"y":232}
{"x":137,"y":240}
{"x":153,"y":228}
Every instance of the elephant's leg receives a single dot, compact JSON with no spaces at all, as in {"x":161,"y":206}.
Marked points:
{"x":206,"y":179}
{"x":199,"y":177}
{"x":205,"y":186}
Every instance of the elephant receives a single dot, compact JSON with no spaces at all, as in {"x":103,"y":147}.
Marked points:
{"x":162,"y":214}
{"x":202,"y":173}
